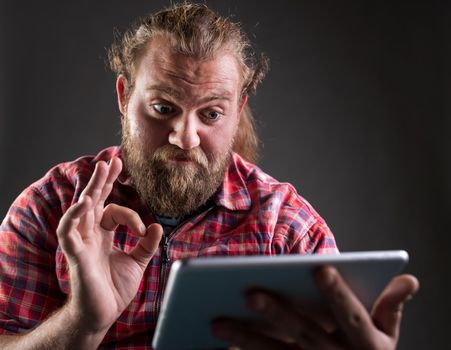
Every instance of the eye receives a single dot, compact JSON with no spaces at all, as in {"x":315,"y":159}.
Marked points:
{"x":163,"y":108}
{"x":213,"y":115}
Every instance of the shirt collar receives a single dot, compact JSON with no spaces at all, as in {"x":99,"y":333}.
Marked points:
{"x":233,"y":193}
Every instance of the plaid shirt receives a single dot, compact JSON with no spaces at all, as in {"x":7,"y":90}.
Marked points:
{"x":251,"y":214}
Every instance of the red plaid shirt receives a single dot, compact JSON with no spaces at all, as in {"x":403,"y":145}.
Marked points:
{"x":251,"y":214}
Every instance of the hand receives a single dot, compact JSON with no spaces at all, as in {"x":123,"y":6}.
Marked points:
{"x":350,"y":325}
{"x":103,"y":279}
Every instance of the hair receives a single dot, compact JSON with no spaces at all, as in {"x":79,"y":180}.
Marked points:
{"x":196,"y":31}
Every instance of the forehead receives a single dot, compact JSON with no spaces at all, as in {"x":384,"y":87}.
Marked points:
{"x":159,"y":64}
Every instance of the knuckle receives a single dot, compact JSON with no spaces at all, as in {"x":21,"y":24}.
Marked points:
{"x":131,"y":213}
{"x":110,"y":207}
{"x":355,"y":320}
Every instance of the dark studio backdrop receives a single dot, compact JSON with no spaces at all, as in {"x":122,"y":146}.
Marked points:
{"x":354,"y":112}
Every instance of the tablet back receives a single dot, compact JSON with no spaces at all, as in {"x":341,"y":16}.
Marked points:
{"x":200,"y":290}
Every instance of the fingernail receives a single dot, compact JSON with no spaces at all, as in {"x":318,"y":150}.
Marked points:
{"x":330,"y":277}
{"x":257,"y":302}
{"x":143,"y":229}
{"x":326,"y":276}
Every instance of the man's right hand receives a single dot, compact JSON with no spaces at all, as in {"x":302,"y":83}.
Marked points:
{"x":103,"y":279}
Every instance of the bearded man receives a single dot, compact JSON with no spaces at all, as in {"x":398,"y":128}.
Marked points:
{"x":86,"y":250}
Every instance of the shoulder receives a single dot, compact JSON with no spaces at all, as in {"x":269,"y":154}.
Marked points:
{"x":74,"y":173}
{"x":61,"y":186}
{"x":263,"y":187}
{"x":296,"y":225}
{"x":40,"y":206}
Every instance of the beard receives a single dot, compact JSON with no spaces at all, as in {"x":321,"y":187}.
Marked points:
{"x":172,"y":188}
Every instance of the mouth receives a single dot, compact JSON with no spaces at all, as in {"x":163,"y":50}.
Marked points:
{"x":179,"y":158}
{"x":179,"y":161}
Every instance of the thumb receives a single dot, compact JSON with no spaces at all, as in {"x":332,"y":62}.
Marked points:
{"x":387,"y":311}
{"x":147,"y":245}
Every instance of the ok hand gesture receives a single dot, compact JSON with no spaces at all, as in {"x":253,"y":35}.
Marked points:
{"x":104,"y":279}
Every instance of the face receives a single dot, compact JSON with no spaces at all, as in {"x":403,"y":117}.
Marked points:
{"x":178,"y":126}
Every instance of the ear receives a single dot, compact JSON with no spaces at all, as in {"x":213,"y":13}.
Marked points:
{"x":120,"y":91}
{"x":243,"y":102}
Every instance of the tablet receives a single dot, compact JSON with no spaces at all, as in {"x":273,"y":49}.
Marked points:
{"x":202,"y":289}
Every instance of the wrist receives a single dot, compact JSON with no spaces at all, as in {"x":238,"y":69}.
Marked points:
{"x":66,"y":329}
{"x":84,"y":323}
{"x":76,"y":329}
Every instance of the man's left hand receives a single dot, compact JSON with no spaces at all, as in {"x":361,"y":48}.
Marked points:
{"x":352,"y":326}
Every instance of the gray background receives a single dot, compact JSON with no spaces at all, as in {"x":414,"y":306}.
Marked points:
{"x":354,"y":113}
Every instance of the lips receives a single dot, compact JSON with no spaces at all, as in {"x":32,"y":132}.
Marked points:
{"x":180,"y":160}
{"x":170,"y":154}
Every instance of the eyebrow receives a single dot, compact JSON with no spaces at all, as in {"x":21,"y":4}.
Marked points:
{"x":166,"y":89}
{"x":217,"y":95}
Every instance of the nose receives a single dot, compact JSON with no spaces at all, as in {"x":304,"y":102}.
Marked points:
{"x":185,"y":133}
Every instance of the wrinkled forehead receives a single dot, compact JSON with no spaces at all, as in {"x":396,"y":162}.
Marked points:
{"x":159,"y":61}
{"x":162,"y":53}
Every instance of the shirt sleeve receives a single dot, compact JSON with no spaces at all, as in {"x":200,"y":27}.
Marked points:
{"x":317,"y":240}
{"x":301,"y":230}
{"x":29,"y":290}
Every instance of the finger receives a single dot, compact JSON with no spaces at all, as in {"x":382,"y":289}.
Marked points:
{"x":67,"y":232}
{"x":300,"y":329}
{"x":387,"y":311}
{"x":114,"y":215}
{"x":147,"y":246}
{"x":92,"y":191}
{"x":352,"y":317}
{"x":94,"y":187}
{"x":237,"y":333}
{"x":114,"y":169}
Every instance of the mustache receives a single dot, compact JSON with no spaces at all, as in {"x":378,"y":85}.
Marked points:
{"x":172,"y":152}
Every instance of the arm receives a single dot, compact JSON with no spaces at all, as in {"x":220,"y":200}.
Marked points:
{"x":103,"y":280}
{"x":349,"y":325}
{"x":345,"y":325}
{"x":63,"y":330}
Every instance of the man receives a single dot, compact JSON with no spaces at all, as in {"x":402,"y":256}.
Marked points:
{"x":86,"y":250}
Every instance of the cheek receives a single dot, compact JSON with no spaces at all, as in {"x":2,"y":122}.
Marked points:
{"x":154,"y":131}
{"x":219,"y":141}
{"x":146,"y":131}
